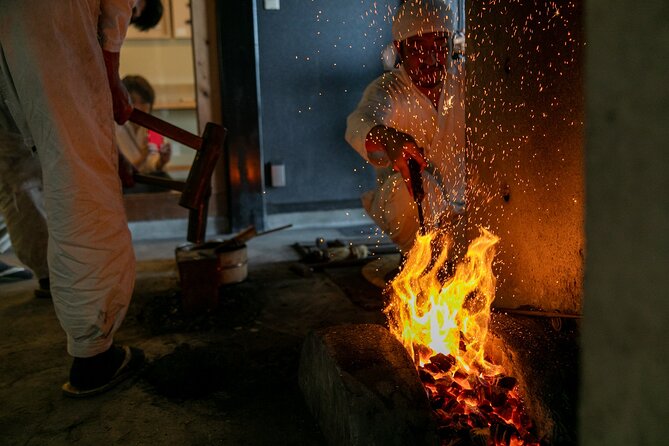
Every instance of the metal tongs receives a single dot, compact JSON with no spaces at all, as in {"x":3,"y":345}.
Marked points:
{"x":418,"y":191}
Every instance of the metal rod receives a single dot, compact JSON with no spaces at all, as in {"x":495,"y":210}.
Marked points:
{"x":536,"y":313}
{"x":269,"y":231}
{"x":421,"y":219}
{"x":418,"y":191}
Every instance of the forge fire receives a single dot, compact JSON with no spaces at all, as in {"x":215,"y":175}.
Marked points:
{"x":442,"y":319}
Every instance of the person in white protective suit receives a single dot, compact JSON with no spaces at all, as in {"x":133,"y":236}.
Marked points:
{"x":60,"y":93}
{"x":415,"y":111}
{"x":21,"y":201}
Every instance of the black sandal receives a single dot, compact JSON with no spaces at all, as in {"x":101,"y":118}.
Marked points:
{"x":131,"y":364}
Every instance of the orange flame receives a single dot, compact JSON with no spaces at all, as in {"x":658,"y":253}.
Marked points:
{"x":441,"y":316}
{"x":430,"y":315}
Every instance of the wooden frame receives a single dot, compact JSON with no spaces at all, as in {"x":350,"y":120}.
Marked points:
{"x":181,"y":19}
{"x":163,"y":206}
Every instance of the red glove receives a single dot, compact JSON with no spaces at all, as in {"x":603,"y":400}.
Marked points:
{"x":120,"y":96}
{"x":400,"y":148}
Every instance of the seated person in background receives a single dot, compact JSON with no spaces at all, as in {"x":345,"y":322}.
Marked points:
{"x":147,"y":151}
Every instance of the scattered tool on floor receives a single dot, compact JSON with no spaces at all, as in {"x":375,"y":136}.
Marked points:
{"x":335,"y":253}
{"x":244,"y":236}
{"x":195,"y":191}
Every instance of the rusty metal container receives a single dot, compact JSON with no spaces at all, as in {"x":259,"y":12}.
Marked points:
{"x":198,"y":276}
{"x":204,"y":268}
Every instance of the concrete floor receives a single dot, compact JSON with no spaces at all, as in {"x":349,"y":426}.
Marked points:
{"x":228,"y":378}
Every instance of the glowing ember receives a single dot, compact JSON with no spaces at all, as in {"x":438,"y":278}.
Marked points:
{"x":441,"y":316}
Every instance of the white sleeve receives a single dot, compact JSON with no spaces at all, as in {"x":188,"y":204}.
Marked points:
{"x":114,"y":19}
{"x":374,"y":109}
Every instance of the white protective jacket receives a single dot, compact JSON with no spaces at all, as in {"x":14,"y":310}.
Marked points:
{"x":55,"y":97}
{"x":394,"y":101}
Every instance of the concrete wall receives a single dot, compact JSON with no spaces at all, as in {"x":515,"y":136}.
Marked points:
{"x":625,"y":378}
{"x":525,"y":146}
{"x":315,"y":59}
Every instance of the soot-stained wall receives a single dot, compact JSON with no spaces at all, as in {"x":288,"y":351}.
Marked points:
{"x":625,"y":337}
{"x":525,"y":140}
{"x":315,"y":59}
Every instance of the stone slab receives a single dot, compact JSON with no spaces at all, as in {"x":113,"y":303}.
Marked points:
{"x":363,"y":389}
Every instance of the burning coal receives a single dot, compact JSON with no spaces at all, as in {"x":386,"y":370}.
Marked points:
{"x":441,"y":315}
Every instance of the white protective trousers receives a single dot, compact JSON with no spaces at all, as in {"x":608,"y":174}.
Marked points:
{"x":394,"y":101}
{"x":55,"y":96}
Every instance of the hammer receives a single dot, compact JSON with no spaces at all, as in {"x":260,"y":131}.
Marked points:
{"x":195,"y":191}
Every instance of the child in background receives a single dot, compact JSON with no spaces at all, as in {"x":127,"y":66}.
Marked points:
{"x":147,"y":151}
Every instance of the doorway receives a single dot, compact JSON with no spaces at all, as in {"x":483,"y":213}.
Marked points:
{"x":164,"y":57}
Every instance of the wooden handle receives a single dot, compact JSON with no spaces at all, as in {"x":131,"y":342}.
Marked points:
{"x":166,"y":129}
{"x":197,"y":222}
